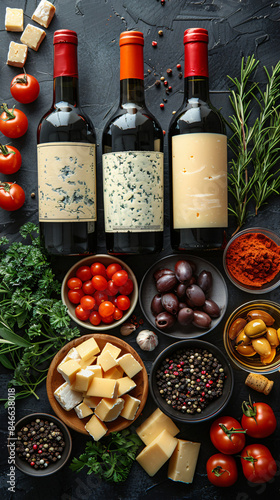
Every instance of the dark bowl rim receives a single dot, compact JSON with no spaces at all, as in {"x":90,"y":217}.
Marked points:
{"x":200,"y":344}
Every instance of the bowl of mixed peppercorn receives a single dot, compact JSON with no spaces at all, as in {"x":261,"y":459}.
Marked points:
{"x":191,"y":381}
{"x":40,"y":443}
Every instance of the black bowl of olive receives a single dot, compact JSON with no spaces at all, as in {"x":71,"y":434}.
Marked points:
{"x":183,"y":296}
{"x":191,"y":381}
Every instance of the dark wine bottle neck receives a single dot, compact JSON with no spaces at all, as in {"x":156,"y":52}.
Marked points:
{"x":132,"y":91}
{"x":197,"y":87}
{"x":66,"y":90}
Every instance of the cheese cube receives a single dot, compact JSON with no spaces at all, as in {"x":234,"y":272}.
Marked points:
{"x":154,"y":456}
{"x":113,"y":349}
{"x":88,"y":362}
{"x":83,"y":380}
{"x":125,"y":384}
{"x":130,"y":408}
{"x":129,"y":364}
{"x":72,"y":354}
{"x":91,"y":401}
{"x":109,"y":409}
{"x":154,"y":425}
{"x":83,"y":410}
{"x":96,"y":428}
{"x":17,"y":54}
{"x":68,"y":370}
{"x":96,"y":370}
{"x":183,"y":461}
{"x":88,"y":348}
{"x":32,"y":37}
{"x":103,"y":388}
{"x":106,"y":360}
{"x":44,"y":13}
{"x":115,"y":372}
{"x":13,"y":19}
{"x":67,"y":398}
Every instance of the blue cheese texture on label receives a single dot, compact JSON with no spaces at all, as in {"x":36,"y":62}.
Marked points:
{"x":133,"y":191}
{"x":67,"y":181}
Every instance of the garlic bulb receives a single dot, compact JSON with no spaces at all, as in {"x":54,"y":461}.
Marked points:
{"x":147,"y":340}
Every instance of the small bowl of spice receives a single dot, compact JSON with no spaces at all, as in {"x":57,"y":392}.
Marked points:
{"x":40,"y":444}
{"x":252,"y":260}
{"x":191,"y":381}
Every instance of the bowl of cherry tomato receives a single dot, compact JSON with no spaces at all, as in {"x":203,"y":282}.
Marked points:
{"x":100,"y":292}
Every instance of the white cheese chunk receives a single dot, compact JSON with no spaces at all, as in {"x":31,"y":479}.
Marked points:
{"x":33,"y":37}
{"x":67,"y":398}
{"x":17,"y":54}
{"x":44,"y":13}
{"x":13,"y":19}
{"x":83,"y":410}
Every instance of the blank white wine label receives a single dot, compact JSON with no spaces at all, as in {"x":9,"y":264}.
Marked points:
{"x":133,"y":191}
{"x":67,"y":181}
{"x":199,"y":180}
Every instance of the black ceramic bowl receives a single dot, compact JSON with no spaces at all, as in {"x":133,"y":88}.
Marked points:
{"x":24,"y":466}
{"x":215,"y":406}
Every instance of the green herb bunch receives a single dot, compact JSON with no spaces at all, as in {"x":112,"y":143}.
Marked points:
{"x":110,"y":459}
{"x":34,"y":323}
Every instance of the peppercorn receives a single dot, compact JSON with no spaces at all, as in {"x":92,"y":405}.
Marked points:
{"x":154,"y":43}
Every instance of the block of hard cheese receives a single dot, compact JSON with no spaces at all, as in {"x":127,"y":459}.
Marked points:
{"x":44,"y":13}
{"x":109,"y":409}
{"x":67,"y":398}
{"x":103,"y":388}
{"x":154,"y":456}
{"x":69,"y":369}
{"x":72,"y":354}
{"x":83,"y":380}
{"x":154,"y":425}
{"x":131,"y":406}
{"x":32,"y":37}
{"x":88,"y":348}
{"x":106,"y":360}
{"x":96,"y":428}
{"x":17,"y":54}
{"x":115,"y":372}
{"x":13,"y":19}
{"x":125,"y":384}
{"x":183,"y":461}
{"x":129,"y":365}
{"x":83,"y":410}
{"x":113,"y":349}
{"x":96,"y":370}
{"x":91,"y":401}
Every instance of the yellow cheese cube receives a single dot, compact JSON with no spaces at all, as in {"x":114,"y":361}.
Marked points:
{"x":106,"y":360}
{"x":72,"y":354}
{"x":91,"y":401}
{"x":44,"y":13}
{"x":125,"y":384}
{"x":115,"y":372}
{"x":69,"y":370}
{"x":183,"y":461}
{"x":88,"y":348}
{"x":154,"y":456}
{"x":103,"y":388}
{"x":96,"y":370}
{"x":96,"y":428}
{"x":17,"y":54}
{"x":83,"y":410}
{"x":154,"y":425}
{"x":130,"y":408}
{"x":109,"y":409}
{"x":13,"y":19}
{"x":88,"y":362}
{"x":82,"y":380}
{"x":113,"y":349}
{"x":129,"y":364}
{"x":32,"y":37}
{"x":67,"y":398}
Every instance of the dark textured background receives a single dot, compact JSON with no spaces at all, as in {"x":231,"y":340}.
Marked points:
{"x":236,"y":28}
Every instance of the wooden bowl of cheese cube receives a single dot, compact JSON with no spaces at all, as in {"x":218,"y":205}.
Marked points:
{"x":97,"y":384}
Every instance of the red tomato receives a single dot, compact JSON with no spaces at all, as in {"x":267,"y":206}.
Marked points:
{"x":13,"y":122}
{"x":112,"y":269}
{"x":127,"y":288}
{"x":81,"y":313}
{"x":75,"y":295}
{"x":88,"y":287}
{"x":108,"y":319}
{"x":123,"y":302}
{"x":100,"y":296}
{"x":10,"y":159}
{"x":112,"y":289}
{"x":227,"y":435}
{"x":99,"y":282}
{"x":25,"y":88}
{"x":84,"y":273}
{"x":118,"y":314}
{"x":12,"y":196}
{"x":87,"y":302}
{"x":221,"y":470}
{"x":120,"y":277}
{"x":74,"y":283}
{"x":106,"y":309}
{"x":98,"y":268}
{"x":258,"y":419}
{"x":258,"y":464}
{"x":95,"y":318}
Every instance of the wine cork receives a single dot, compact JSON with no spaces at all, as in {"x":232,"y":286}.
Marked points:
{"x":259,"y":383}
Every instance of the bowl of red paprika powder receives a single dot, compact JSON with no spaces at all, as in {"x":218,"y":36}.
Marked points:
{"x":252,"y":260}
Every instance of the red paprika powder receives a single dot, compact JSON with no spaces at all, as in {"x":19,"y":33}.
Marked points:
{"x":253,"y":259}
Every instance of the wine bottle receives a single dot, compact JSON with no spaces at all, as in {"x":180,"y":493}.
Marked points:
{"x":198,"y":157}
{"x":66,"y":154}
{"x":133,"y":162}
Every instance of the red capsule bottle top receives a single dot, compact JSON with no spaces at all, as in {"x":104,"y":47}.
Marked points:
{"x":196,"y":52}
{"x":65,"y":53}
{"x":131,"y":55}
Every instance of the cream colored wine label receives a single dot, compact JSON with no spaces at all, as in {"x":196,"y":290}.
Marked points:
{"x":67,"y":181}
{"x":133,"y":191}
{"x":199,"y":180}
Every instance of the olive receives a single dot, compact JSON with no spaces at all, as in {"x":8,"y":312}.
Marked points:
{"x":255,"y":328}
{"x":170,"y":302}
{"x":262,"y":346}
{"x":166,"y":283}
{"x":165,"y":320}
{"x":236,"y":327}
{"x":242,"y":339}
{"x":201,"y":319}
{"x":272,"y":337}
{"x":193,"y":265}
{"x":180,"y":290}
{"x":182,"y":305}
{"x":211,"y":308}
{"x":156,"y":305}
{"x":245,"y":350}
{"x":205,"y":281}
{"x":266,"y":360}
{"x":185,"y":316}
{"x":183,"y":271}
{"x":259,"y":314}
{"x":196,"y":295}
{"x":162,"y":272}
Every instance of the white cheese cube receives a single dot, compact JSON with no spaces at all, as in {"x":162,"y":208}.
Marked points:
{"x":125,"y":384}
{"x":82,"y":380}
{"x":69,"y":369}
{"x":129,"y":364}
{"x":96,"y":428}
{"x":44,"y":13}
{"x":83,"y":410}
{"x":88,"y":348}
{"x":17,"y":55}
{"x":67,"y":398}
{"x":13,"y":19}
{"x":131,"y":406}
{"x":109,"y":409}
{"x":32,"y":37}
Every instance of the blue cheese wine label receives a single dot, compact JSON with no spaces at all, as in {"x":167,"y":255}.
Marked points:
{"x":67,"y":182}
{"x":133,"y":191}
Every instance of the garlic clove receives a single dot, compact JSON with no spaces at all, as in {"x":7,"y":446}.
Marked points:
{"x":127,"y":329}
{"x":147,"y":340}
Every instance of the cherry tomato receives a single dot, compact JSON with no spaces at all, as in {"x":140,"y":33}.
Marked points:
{"x":88,"y":287}
{"x":98,"y":268}
{"x":13,"y":122}
{"x":123,"y":302}
{"x":12,"y":196}
{"x":25,"y":88}
{"x":81,"y":313}
{"x":84,"y":273}
{"x":221,"y":470}
{"x":95,"y":318}
{"x":87,"y":302}
{"x":127,"y":288}
{"x":227,"y":435}
{"x":258,"y":419}
{"x":74,"y":283}
{"x":99,"y":282}
{"x":112,"y":269}
{"x":10,"y":159}
{"x":114,"y":301}
{"x":118,"y":314}
{"x":75,"y":295}
{"x":258,"y":464}
{"x":106,"y":309}
{"x":108,"y":319}
{"x":112,"y":289}
{"x":100,"y":296}
{"x":120,"y":277}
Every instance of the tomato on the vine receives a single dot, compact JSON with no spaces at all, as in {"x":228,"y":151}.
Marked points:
{"x":227,"y":435}
{"x":12,"y":196}
{"x":222,"y":470}
{"x":13,"y":122}
{"x":258,"y":464}
{"x":258,"y":419}
{"x":25,"y":88}
{"x":10,"y":159}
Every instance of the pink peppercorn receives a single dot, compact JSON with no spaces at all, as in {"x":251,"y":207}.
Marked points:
{"x":154,"y":43}
{"x":161,"y":105}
